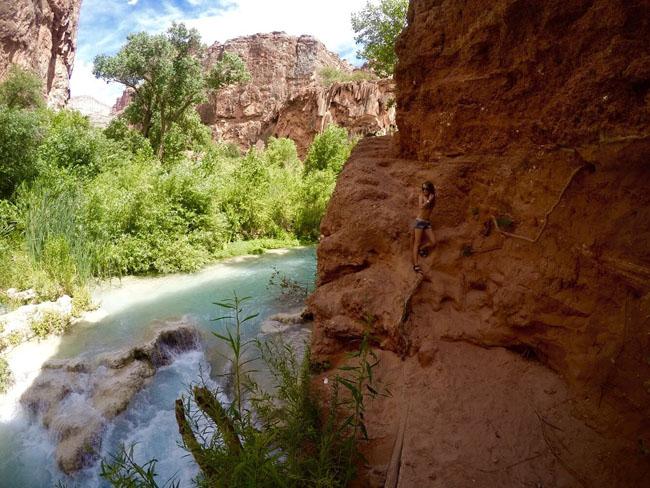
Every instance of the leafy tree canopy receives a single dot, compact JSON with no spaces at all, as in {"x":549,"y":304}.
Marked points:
{"x":376,"y":27}
{"x":167,"y":77}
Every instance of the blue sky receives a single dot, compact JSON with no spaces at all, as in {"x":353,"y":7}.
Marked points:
{"x":104,"y":25}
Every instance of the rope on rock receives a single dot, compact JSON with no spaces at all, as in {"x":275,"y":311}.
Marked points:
{"x":557,"y":202}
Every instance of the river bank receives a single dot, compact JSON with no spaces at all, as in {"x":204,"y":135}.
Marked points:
{"x":130,"y":311}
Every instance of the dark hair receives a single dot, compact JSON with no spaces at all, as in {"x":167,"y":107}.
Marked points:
{"x":428,"y":186}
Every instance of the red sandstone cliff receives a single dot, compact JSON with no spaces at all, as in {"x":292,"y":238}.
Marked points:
{"x":527,"y":349}
{"x":40,"y":35}
{"x":284,"y":97}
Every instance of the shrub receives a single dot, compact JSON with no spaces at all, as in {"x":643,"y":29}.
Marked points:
{"x":6,"y":378}
{"x":74,"y":145}
{"x":129,"y":139}
{"x":282,"y":153}
{"x":315,"y":193}
{"x":21,"y":132}
{"x":82,"y":301}
{"x":330,"y":75}
{"x":21,"y":89}
{"x":50,"y":322}
{"x":15,"y":337}
{"x":329,"y":150}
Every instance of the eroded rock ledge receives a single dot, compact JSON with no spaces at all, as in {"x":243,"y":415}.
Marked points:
{"x":75,"y":399}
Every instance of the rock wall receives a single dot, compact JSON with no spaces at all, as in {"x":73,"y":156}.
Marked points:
{"x":284,"y":97}
{"x":41,"y":35}
{"x":522,"y":354}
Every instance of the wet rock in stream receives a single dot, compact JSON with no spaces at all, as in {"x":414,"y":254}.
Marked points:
{"x":76,"y":398}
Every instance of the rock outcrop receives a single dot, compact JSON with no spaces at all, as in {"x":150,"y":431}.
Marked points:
{"x":76,"y":398}
{"x":41,"y":35}
{"x":99,"y":114}
{"x":525,"y":344}
{"x":285,"y":98}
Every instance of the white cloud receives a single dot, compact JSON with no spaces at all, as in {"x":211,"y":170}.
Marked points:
{"x":83,"y":82}
{"x":329,"y":22}
{"x":132,"y":2}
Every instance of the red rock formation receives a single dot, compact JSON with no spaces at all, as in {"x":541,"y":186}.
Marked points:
{"x":363,"y":107}
{"x":122,"y":102}
{"x":284,"y":97}
{"x":527,"y":354}
{"x":41,"y":35}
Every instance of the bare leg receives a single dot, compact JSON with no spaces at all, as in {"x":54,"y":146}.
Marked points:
{"x":431,"y":236}
{"x":417,"y":238}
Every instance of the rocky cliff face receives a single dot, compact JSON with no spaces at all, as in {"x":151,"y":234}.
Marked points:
{"x":284,"y":97}
{"x":40,"y":35}
{"x":522,"y":355}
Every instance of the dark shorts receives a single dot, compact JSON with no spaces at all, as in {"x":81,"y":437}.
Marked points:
{"x":422,"y":224}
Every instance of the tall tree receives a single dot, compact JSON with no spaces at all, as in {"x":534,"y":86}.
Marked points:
{"x":167,"y":77}
{"x":376,"y":27}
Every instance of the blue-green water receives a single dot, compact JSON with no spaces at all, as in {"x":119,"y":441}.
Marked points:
{"x":27,"y":449}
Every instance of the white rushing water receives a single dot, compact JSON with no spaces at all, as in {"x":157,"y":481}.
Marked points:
{"x":130,"y":310}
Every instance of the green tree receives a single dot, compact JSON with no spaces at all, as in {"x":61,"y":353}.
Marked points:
{"x":21,"y":133}
{"x":21,"y":89}
{"x":167,"y":77}
{"x":329,"y":150}
{"x":376,"y":27}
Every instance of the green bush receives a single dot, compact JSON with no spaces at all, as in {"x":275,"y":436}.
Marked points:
{"x":74,"y":145}
{"x":21,"y":132}
{"x":315,"y":192}
{"x":330,"y":75}
{"x":21,"y":89}
{"x":329,"y":151}
{"x":6,"y":378}
{"x":51,"y":323}
{"x":129,"y":139}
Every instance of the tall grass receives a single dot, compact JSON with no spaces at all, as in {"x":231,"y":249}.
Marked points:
{"x":55,"y":236}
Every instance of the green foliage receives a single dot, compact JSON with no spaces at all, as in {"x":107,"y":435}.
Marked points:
{"x":21,"y":132}
{"x":329,"y":151}
{"x":168,"y":81}
{"x":55,"y":234}
{"x":6,"y":378}
{"x":330,"y":75}
{"x":279,"y":436}
{"x":51,"y":323}
{"x":129,"y":139}
{"x":282,"y":153}
{"x":72,"y":144}
{"x":376,"y":27}
{"x":21,"y":89}
{"x":123,"y":472}
{"x":316,"y":189}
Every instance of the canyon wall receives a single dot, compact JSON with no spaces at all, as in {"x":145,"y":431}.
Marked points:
{"x":521,"y":355}
{"x":40,"y":35}
{"x":285,"y":97}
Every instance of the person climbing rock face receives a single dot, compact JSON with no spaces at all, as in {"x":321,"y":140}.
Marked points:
{"x":426,"y":202}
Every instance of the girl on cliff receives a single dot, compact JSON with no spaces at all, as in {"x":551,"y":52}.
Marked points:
{"x":426,"y":202}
